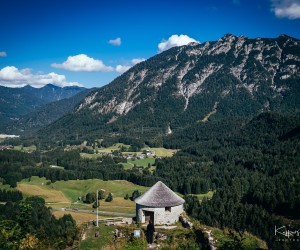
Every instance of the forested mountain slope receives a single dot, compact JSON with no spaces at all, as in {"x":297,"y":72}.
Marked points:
{"x":231,"y":77}
{"x":45,"y":115}
{"x":16,"y":102}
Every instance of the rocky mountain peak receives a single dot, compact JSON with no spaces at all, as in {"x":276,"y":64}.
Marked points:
{"x":233,"y":76}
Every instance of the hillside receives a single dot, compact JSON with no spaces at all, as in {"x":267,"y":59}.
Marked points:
{"x":231,"y":77}
{"x":44,"y":115}
{"x":16,"y":102}
{"x":251,"y":167}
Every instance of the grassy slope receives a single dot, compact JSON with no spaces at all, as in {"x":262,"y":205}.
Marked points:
{"x":208,"y":195}
{"x":66,"y":191}
{"x":79,"y":217}
{"x":62,"y":193}
{"x":163,"y":152}
{"x":250,"y":241}
{"x":174,"y":238}
{"x":76,"y":188}
{"x":92,"y":243}
{"x":25,"y":149}
{"x":50,"y":195}
{"x":142,"y":163}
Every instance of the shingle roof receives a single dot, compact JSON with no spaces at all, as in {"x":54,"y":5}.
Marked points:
{"x":159,"y":195}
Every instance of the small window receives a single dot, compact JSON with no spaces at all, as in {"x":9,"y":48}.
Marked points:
{"x":168,"y":209}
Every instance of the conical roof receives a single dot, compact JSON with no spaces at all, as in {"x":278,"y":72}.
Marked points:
{"x":159,"y":195}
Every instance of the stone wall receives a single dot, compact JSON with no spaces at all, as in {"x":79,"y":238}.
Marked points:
{"x":161,"y":215}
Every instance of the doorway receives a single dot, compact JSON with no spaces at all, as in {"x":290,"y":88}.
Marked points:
{"x":149,"y":215}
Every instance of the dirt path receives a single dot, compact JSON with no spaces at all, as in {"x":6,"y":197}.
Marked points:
{"x":205,"y":119}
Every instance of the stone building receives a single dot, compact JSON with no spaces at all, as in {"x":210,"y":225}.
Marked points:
{"x":159,"y":204}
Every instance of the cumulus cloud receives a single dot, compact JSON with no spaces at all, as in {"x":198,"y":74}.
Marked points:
{"x":11,"y":76}
{"x":124,"y":68}
{"x":286,"y":8}
{"x":115,"y":42}
{"x":3,"y":54}
{"x":135,"y":61}
{"x":82,"y":62}
{"x":174,"y":41}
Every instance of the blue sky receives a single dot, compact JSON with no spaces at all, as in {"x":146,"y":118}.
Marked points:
{"x":91,"y":42}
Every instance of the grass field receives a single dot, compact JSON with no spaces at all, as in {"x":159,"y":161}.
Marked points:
{"x":160,"y":152}
{"x":208,"y":195}
{"x":142,"y":163}
{"x":73,"y":189}
{"x":114,"y":147}
{"x":89,"y":156}
{"x":6,"y":187}
{"x":25,"y":149}
{"x":79,"y":217}
{"x":64,"y":194}
{"x":50,"y":195}
{"x":163,"y":152}
{"x":93,"y":243}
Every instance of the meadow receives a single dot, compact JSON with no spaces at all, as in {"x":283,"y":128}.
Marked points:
{"x":67,"y":194}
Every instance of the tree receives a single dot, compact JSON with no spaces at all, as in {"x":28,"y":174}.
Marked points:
{"x":10,"y":235}
{"x":90,"y":198}
{"x":187,"y":187}
{"x":235,"y":242}
{"x":29,"y":242}
{"x":135,"y":194}
{"x":25,"y":213}
{"x":109,"y":198}
{"x":126,"y":197}
{"x":101,"y":194}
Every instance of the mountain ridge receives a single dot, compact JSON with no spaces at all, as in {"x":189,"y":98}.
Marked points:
{"x":17,"y":102}
{"x":236,"y":75}
{"x":43,"y":116}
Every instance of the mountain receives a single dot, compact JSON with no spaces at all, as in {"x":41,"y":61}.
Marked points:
{"x":45,"y":115}
{"x":233,"y":77}
{"x":16,"y":102}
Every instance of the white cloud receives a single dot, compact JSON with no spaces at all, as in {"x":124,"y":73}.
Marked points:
{"x":174,"y":41}
{"x":122,"y":68}
{"x":3,"y":54}
{"x":82,"y":62}
{"x":135,"y":61}
{"x":115,"y":42}
{"x":286,"y":8}
{"x":11,"y":76}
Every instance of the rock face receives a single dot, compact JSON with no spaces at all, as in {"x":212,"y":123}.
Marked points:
{"x":182,"y":85}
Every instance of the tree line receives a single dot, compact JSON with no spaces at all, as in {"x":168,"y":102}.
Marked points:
{"x":29,"y":224}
